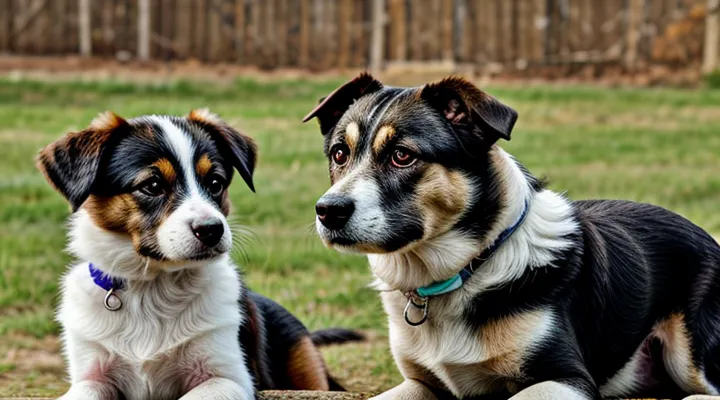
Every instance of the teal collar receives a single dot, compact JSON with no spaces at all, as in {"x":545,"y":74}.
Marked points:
{"x":419,"y":297}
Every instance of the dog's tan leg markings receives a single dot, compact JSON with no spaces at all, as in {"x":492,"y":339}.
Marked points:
{"x":410,"y":389}
{"x":305,"y":366}
{"x":677,"y":355}
{"x":505,"y":341}
{"x":383,"y":136}
{"x":550,"y":390}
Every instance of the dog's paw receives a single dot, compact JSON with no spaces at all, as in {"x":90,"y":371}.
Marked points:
{"x":702,"y":397}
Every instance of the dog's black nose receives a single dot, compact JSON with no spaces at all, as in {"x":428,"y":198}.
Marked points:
{"x":334,"y":211}
{"x":209,"y":232}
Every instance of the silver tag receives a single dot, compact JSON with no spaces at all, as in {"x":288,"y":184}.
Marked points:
{"x":112,"y":302}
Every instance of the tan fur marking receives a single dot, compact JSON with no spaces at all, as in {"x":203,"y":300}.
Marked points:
{"x":677,"y":353}
{"x":505,"y":342}
{"x":442,"y":196}
{"x":203,"y":165}
{"x":385,"y":133}
{"x":117,"y":213}
{"x":305,"y":367}
{"x":166,"y":169}
{"x":106,"y":121}
{"x":204,"y":116}
{"x":352,"y":135}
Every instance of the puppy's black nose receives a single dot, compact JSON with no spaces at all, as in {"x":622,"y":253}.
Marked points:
{"x":209,"y":232}
{"x":334,"y":211}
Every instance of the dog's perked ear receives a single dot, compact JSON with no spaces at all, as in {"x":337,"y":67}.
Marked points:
{"x":71,"y":163}
{"x":463,"y":104}
{"x":240,"y":149}
{"x":334,"y":105}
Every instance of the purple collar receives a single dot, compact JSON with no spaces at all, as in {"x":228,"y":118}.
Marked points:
{"x":104,"y":280}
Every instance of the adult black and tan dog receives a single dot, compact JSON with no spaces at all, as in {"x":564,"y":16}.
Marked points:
{"x":496,"y":285}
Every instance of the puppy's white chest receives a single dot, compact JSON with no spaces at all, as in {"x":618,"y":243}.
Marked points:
{"x":167,"y":338}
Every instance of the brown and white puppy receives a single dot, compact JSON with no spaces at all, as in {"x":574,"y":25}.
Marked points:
{"x":155,"y":307}
{"x":582,"y":300}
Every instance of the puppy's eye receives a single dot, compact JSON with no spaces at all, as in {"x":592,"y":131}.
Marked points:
{"x":340,"y":154}
{"x":403,"y":158}
{"x":215,"y":185}
{"x":152,"y":187}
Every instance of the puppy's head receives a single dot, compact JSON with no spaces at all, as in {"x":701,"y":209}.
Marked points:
{"x":156,"y":184}
{"x":406,"y":164}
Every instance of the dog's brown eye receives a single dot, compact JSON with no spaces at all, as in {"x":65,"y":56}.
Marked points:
{"x":153,"y":187}
{"x":341,"y":154}
{"x":402,"y":158}
{"x":216,"y":186}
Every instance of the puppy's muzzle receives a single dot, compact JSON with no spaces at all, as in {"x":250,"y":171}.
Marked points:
{"x":334,"y":210}
{"x":209,"y":231}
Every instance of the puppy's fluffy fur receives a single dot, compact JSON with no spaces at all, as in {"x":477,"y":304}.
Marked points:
{"x":585,"y":300}
{"x":150,"y":200}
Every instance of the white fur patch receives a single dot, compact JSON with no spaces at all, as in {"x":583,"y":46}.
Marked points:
{"x":367,"y":223}
{"x":165,"y":324}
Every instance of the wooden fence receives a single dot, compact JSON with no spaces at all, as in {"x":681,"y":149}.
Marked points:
{"x":323,"y":34}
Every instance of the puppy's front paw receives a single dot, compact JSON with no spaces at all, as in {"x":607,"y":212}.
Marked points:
{"x":408,"y":390}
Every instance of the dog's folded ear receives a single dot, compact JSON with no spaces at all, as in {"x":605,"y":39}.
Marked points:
{"x":71,"y":163}
{"x":334,"y":105}
{"x":240,"y":149}
{"x":465,"y":105}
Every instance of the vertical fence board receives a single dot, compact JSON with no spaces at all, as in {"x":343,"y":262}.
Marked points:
{"x":447,"y":48}
{"x":214,"y":30}
{"x":183,"y":28}
{"x":361,"y":33}
{"x":5,"y":28}
{"x":712,"y":37}
{"x":84,"y":27}
{"x":304,"y":55}
{"x":281,"y":32}
{"x":397,"y":34}
{"x":344,"y":27}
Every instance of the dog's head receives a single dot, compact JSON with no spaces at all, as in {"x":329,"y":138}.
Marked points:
{"x":154,"y":184}
{"x":407,"y":164}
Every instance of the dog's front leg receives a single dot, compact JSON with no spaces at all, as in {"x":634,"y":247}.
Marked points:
{"x":221,"y":389}
{"x":90,"y":390}
{"x":554,"y":390}
{"x":410,"y":389}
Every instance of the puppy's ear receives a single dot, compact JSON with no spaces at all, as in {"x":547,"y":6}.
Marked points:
{"x":464,"y":105}
{"x":71,"y":163}
{"x":334,"y":105}
{"x":240,"y":149}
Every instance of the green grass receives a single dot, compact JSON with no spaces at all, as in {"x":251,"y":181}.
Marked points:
{"x":652,"y":145}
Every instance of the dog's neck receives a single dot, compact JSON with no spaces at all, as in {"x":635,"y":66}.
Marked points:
{"x":115,"y":254}
{"x":549,"y":219}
